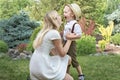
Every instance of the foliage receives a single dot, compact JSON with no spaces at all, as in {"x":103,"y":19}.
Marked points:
{"x":115,"y":39}
{"x":84,"y":49}
{"x":116,"y":29}
{"x":111,"y":6}
{"x":90,"y":9}
{"x":17,"y":29}
{"x":115,"y":17}
{"x":106,"y":34}
{"x":21,"y":47}
{"x":87,"y":26}
{"x":33,"y":36}
{"x":102,"y":44}
{"x":34,"y":10}
{"x":3,"y":46}
{"x":10,"y":7}
{"x":37,"y":9}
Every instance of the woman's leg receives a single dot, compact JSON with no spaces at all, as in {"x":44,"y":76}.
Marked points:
{"x":68,"y":76}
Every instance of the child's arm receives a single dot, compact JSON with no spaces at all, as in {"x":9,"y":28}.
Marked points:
{"x":72,"y":36}
{"x":75,"y":33}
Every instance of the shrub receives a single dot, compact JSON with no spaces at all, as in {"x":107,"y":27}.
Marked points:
{"x":116,"y":39}
{"x":87,"y":26}
{"x":86,"y":45}
{"x":115,"y":17}
{"x":30,"y":47}
{"x":106,"y":34}
{"x":3,"y":46}
{"x":21,"y":47}
{"x":17,"y":29}
{"x":102,"y":44}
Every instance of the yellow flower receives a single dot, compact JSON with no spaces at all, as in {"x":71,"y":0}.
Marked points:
{"x":107,"y":32}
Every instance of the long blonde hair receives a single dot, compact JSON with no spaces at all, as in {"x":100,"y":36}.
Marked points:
{"x":49,"y":23}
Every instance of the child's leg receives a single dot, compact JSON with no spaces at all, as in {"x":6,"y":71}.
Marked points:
{"x":68,"y":69}
{"x":72,"y":53}
{"x":79,"y":70}
{"x":80,"y":74}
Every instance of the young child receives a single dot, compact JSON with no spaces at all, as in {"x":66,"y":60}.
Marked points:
{"x":72,"y":13}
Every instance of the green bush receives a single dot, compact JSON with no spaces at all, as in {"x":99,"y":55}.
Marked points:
{"x":17,"y":29}
{"x":86,"y":45}
{"x":30,"y":46}
{"x":115,"y":17}
{"x":3,"y":46}
{"x":116,"y":39}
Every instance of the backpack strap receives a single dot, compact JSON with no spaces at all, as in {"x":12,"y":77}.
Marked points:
{"x":73,"y":27}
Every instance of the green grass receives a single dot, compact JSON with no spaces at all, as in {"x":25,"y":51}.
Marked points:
{"x":13,"y":69}
{"x":94,"y":68}
{"x":99,"y":67}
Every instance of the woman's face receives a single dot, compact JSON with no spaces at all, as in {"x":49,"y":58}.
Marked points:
{"x":58,"y":19}
{"x":68,"y":14}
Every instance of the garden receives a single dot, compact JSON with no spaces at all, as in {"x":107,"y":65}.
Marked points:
{"x":98,"y":49}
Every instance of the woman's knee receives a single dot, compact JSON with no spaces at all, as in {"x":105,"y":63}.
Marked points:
{"x":68,"y":77}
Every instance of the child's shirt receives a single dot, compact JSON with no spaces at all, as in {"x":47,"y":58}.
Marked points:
{"x":68,"y":28}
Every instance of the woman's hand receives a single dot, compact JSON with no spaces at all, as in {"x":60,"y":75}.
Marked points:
{"x":53,"y":52}
{"x":70,"y":36}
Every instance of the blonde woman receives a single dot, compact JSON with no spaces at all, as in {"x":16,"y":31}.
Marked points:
{"x":43,"y":66}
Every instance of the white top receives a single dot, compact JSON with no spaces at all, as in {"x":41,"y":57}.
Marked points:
{"x":46,"y":67}
{"x":68,"y":28}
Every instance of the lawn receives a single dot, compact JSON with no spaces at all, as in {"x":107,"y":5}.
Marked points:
{"x":94,"y":68}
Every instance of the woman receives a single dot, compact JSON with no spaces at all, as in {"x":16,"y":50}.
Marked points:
{"x":43,"y":66}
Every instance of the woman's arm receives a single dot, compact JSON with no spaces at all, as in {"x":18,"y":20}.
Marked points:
{"x":53,"y":52}
{"x":60,"y":49}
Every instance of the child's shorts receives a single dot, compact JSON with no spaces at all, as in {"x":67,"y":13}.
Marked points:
{"x":72,"y":53}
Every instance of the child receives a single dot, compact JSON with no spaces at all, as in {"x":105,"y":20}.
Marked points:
{"x":72,"y":13}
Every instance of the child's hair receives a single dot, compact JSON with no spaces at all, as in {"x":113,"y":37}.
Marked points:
{"x":76,"y":10}
{"x":49,"y":23}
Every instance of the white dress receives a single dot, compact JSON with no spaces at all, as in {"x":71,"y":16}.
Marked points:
{"x":46,"y":67}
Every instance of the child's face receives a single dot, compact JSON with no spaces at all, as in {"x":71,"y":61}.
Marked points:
{"x":68,"y":14}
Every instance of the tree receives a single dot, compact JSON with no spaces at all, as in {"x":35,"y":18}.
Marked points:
{"x":10,"y":7}
{"x":17,"y":29}
{"x":111,"y":6}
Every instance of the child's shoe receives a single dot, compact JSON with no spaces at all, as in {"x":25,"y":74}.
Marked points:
{"x":81,"y":77}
